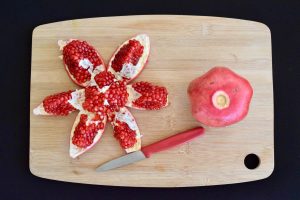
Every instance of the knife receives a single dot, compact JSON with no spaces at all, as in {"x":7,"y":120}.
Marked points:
{"x":156,"y":147}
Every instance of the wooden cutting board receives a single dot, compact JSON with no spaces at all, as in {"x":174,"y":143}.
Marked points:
{"x":182,"y":48}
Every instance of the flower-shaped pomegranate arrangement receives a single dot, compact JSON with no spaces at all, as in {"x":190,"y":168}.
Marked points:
{"x":106,"y":93}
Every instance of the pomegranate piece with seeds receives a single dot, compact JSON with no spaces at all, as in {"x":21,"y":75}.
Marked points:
{"x":130,"y":58}
{"x":59,"y":104}
{"x":220,"y":97}
{"x":105,"y":93}
{"x":146,"y":96}
{"x":124,"y":135}
{"x":86,"y":132}
{"x":126,"y":130}
{"x":80,"y":60}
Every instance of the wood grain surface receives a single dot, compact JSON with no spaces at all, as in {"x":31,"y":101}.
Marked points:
{"x":182,"y":48}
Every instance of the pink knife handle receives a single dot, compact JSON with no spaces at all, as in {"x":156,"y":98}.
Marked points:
{"x":172,"y":141}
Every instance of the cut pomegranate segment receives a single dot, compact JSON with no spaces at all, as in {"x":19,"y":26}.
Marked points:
{"x":220,"y":97}
{"x":81,"y":59}
{"x":126,"y":130}
{"x":130,"y":58}
{"x":60,"y":104}
{"x":86,"y":132}
{"x":146,"y":96}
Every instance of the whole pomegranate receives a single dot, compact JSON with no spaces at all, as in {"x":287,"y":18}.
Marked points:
{"x":220,"y":97}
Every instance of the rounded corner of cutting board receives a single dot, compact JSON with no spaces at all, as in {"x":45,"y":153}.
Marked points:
{"x":36,"y":30}
{"x":35,"y":171}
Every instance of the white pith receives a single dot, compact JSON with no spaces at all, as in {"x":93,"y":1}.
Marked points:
{"x":40,"y":110}
{"x":220,"y":100}
{"x":125,"y":116}
{"x":75,"y":150}
{"x":86,"y":64}
{"x":129,"y":70}
{"x":104,"y":89}
{"x":132,"y":95}
{"x":105,"y":102}
{"x":78,"y":97}
{"x":128,"y":119}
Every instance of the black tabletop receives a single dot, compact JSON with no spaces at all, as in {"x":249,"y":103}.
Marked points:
{"x":18,"y":20}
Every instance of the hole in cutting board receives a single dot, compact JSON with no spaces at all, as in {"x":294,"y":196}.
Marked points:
{"x":252,"y":161}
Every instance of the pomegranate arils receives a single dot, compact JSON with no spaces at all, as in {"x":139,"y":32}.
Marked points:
{"x":93,"y":100}
{"x":125,"y":135}
{"x":152,"y":97}
{"x":58,"y":104}
{"x":129,"y":53}
{"x":104,"y":78}
{"x":105,"y":94}
{"x":85,"y":132}
{"x":76,"y":51}
{"x":116,"y":95}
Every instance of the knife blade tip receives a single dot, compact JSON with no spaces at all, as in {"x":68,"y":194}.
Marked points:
{"x":101,"y":169}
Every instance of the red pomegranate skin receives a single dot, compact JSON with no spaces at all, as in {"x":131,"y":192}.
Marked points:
{"x":201,"y":90}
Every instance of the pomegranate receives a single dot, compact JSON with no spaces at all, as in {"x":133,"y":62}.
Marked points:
{"x":126,"y":130}
{"x":130,"y":58}
{"x":86,"y":132}
{"x":105,"y":94}
{"x":220,"y":97}
{"x":80,"y":60}
{"x":146,"y":96}
{"x":61,"y":103}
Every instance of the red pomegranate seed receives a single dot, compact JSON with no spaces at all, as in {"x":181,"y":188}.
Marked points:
{"x":104,"y":78}
{"x":125,"y":135}
{"x":58,"y":104}
{"x":153,"y":97}
{"x":129,"y":53}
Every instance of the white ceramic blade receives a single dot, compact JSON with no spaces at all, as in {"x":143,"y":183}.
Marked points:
{"x":122,"y":161}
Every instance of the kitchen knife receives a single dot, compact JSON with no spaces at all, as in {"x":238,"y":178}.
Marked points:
{"x":156,"y":147}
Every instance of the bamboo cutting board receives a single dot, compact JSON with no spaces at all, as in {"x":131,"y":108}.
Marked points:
{"x":182,"y":48}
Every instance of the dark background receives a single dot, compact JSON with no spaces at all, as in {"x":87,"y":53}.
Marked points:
{"x":18,"y":20}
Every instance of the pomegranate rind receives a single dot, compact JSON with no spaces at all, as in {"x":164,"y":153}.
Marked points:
{"x":76,"y":151}
{"x":145,"y":42}
{"x":202,"y":89}
{"x":124,"y":115}
{"x":93,"y":72}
